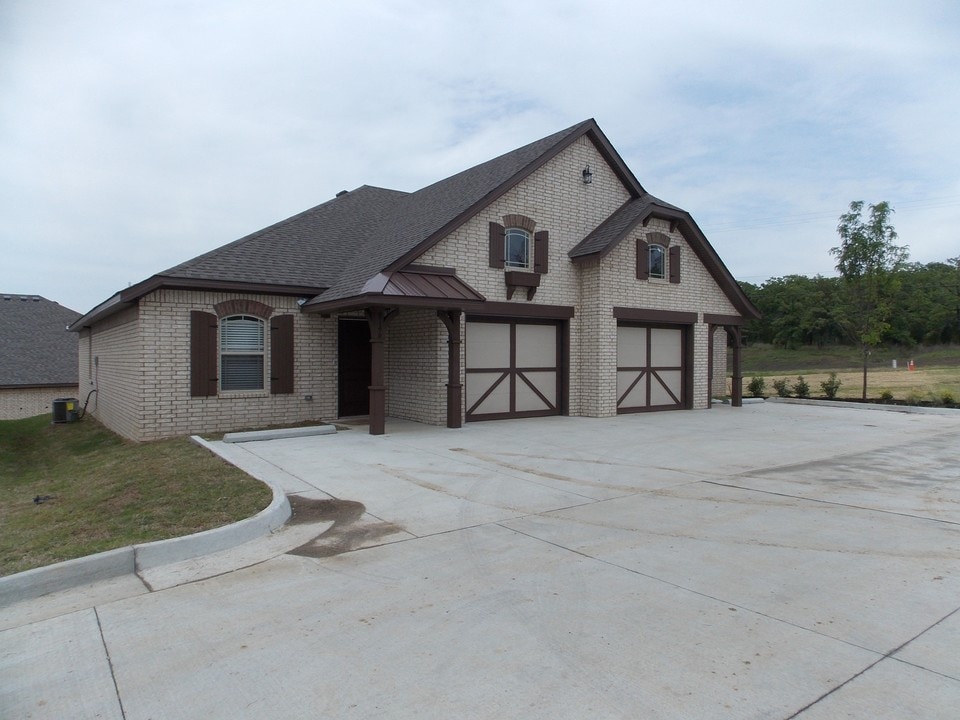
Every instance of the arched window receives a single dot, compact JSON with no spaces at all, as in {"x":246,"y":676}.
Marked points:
{"x":241,"y":353}
{"x":516,"y":252}
{"x":658,"y":261}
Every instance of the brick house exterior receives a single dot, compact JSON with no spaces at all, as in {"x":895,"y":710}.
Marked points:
{"x":38,"y":357}
{"x":546,"y":281}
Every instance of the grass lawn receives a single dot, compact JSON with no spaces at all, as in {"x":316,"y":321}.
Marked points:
{"x":107,"y":492}
{"x":936,"y":373}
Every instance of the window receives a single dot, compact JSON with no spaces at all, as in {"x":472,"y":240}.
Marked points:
{"x":517,"y":248}
{"x":241,"y":353}
{"x":658,"y":265}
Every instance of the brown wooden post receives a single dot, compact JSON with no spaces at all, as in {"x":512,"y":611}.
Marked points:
{"x":376,"y":317}
{"x":710,"y":330}
{"x":451,"y":319}
{"x":736,"y":392}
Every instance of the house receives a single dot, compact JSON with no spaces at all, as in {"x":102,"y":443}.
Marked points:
{"x":38,"y":357}
{"x":546,"y":281}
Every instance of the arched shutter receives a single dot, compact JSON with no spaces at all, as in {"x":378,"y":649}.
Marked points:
{"x":643,"y":260}
{"x":281,"y":355}
{"x":541,"y":252}
{"x":497,"y":235}
{"x":675,"y":264}
{"x":203,"y":354}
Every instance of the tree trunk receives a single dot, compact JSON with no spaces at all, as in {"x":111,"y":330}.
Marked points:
{"x":866,"y":354}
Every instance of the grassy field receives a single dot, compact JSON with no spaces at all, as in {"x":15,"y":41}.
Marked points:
{"x":936,"y":371}
{"x":105,"y":492}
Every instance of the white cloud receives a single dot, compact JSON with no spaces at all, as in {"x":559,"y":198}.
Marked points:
{"x":137,"y":135}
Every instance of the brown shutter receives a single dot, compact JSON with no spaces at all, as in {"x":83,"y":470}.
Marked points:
{"x":281,"y":354}
{"x":203,"y":354}
{"x":497,"y":235}
{"x":675,"y":264}
{"x":541,"y":252}
{"x":643,"y":260}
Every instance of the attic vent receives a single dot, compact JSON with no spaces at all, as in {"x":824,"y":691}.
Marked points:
{"x":342,"y":192}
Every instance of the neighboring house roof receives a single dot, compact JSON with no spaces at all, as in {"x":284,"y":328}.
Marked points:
{"x":36,"y":349}
{"x":335,"y":252}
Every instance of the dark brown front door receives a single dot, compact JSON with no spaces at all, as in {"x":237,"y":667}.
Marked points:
{"x":353,"y":356}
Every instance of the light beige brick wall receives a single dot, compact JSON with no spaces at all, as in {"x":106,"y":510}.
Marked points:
{"x":139,"y":361}
{"x":697,"y":291}
{"x":556,"y":198}
{"x":111,"y":361}
{"x":416,"y":367}
{"x":19,"y":403}
{"x":169,"y":410}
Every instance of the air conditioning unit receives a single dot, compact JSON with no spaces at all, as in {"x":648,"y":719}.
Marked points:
{"x":66,"y":410}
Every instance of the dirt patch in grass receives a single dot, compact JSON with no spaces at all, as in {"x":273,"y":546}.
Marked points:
{"x":75,"y":489}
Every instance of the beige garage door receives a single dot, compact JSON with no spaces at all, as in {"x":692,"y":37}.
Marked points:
{"x":650,"y":369}
{"x":512,"y":369}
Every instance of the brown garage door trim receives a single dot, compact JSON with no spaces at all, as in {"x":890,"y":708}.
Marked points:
{"x":685,"y":401}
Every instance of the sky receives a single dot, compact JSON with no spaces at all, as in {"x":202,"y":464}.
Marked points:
{"x":137,"y":134}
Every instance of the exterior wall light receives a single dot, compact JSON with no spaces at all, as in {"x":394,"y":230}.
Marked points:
{"x":587,"y":175}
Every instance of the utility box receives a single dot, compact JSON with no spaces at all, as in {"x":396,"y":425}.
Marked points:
{"x":65,"y":410}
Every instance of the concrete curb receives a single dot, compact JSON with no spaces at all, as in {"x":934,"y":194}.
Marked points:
{"x":35,"y":583}
{"x":254,"y":435}
{"x":910,"y":409}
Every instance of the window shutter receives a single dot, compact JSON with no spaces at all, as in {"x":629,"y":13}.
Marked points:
{"x":643,"y":260}
{"x":281,"y":355}
{"x":675,"y":264}
{"x":541,"y":252}
{"x":203,"y":354}
{"x":497,"y":233}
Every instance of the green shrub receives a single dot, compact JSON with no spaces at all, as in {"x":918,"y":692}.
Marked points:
{"x":946,"y":398}
{"x":886,"y":396}
{"x":800,"y":388}
{"x":830,"y":386}
{"x":757,"y":386}
{"x":781,"y":387}
{"x":914,"y":399}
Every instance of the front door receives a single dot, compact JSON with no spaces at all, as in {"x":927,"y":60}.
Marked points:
{"x":353,"y":357}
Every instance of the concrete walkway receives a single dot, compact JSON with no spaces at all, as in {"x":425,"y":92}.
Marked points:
{"x":773,"y":561}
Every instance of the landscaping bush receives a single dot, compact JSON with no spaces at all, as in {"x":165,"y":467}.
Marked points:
{"x":757,"y":386}
{"x":781,"y":387}
{"x":886,"y":396}
{"x":830,"y":386}
{"x":946,"y":398}
{"x":800,"y":388}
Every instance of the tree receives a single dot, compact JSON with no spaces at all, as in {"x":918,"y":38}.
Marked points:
{"x":868,"y":261}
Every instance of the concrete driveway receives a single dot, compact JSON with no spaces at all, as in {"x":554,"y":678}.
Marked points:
{"x":773,"y":561}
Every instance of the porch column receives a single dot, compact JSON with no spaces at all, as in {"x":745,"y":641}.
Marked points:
{"x":451,"y":319}
{"x":710,"y":329}
{"x":736,"y":392}
{"x":377,"y":318}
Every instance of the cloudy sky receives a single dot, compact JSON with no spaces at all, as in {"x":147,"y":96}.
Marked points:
{"x":136,"y":134}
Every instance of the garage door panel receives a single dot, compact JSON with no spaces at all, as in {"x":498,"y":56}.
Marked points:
{"x":536,"y":346}
{"x":666,"y":347}
{"x":488,"y":393}
{"x":488,"y":345}
{"x":536,"y":391}
{"x":650,"y":368}
{"x":631,"y":346}
{"x":665,"y":387}
{"x":631,"y":389}
{"x":526,"y":357}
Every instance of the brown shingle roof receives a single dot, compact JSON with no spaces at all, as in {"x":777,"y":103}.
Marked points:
{"x":36,"y":349}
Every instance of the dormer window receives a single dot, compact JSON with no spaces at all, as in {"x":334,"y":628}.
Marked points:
{"x":658,"y":261}
{"x":516,"y":249}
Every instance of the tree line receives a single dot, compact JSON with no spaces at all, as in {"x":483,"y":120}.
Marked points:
{"x":878,"y":298}
{"x":800,"y":310}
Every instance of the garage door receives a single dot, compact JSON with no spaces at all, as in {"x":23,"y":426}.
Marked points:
{"x":650,"y":368}
{"x":513,"y":369}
